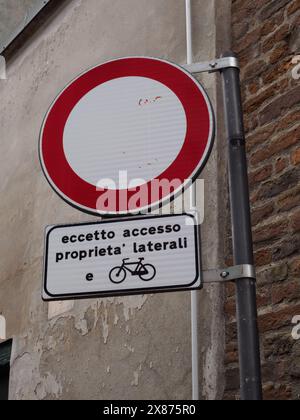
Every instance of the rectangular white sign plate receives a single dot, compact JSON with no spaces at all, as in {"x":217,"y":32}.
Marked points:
{"x":122,"y":257}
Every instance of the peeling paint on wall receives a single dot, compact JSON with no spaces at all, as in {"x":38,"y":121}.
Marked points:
{"x":66,"y":350}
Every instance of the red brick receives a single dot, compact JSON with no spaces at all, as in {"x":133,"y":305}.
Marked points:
{"x":278,"y":52}
{"x":259,"y":138}
{"x":230,"y":308}
{"x":285,"y":292}
{"x":295,"y":157}
{"x":282,"y":369}
{"x":290,"y":200}
{"x":270,"y":231}
{"x":261,"y":213}
{"x":231,"y":331}
{"x":295,"y":222}
{"x":231,"y":357}
{"x":296,"y":22}
{"x":281,"y":34}
{"x":271,"y":7}
{"x":253,"y":70}
{"x":278,"y":145}
{"x":274,"y":320}
{"x":229,"y":261}
{"x":232,"y":379}
{"x":243,"y":11}
{"x":256,"y":102}
{"x":260,"y":175}
{"x":269,"y":371}
{"x":251,"y":123}
{"x":288,"y":120}
{"x":278,"y":344}
{"x":274,"y":187}
{"x":286,"y":248}
{"x":231,"y":396}
{"x":230,"y":289}
{"x":294,"y":370}
{"x":246,"y":56}
{"x":239,"y":29}
{"x":272,"y":24}
{"x":260,"y":155}
{"x":294,"y":267}
{"x":284,"y":85}
{"x":273,"y":274}
{"x":294,"y":41}
{"x":272,"y":137}
{"x":274,"y":392}
{"x":283,"y":103}
{"x":281,"y":164}
{"x":293,"y":7}
{"x":278,"y":70}
{"x":231,"y":354}
{"x":250,"y":38}
{"x":263,"y":296}
{"x":273,"y":140}
{"x":263,"y":257}
{"x":253,"y":87}
{"x":255,"y":196}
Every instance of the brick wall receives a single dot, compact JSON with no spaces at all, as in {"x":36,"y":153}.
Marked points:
{"x":266,"y":37}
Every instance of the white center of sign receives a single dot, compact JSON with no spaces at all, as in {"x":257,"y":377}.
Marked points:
{"x":120,"y":120}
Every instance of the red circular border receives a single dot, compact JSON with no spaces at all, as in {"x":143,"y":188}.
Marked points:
{"x":187,"y":90}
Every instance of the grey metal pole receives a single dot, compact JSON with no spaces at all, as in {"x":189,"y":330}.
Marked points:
{"x":248,"y":337}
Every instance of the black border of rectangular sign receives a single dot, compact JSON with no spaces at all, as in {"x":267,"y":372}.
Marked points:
{"x":139,"y":291}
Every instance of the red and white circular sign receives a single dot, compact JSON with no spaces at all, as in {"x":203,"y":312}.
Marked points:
{"x":126,"y":136}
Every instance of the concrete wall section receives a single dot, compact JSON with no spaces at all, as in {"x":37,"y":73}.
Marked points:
{"x":117,"y":348}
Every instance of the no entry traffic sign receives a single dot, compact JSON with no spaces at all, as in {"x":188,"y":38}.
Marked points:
{"x":138,"y":255}
{"x":126,"y":136}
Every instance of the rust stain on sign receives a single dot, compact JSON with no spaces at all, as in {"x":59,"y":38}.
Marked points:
{"x":147,"y":101}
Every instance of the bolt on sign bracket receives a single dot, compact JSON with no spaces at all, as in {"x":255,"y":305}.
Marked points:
{"x":213,"y":65}
{"x":229,"y":274}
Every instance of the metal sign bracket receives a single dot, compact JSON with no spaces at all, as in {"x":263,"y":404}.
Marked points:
{"x":229,"y":274}
{"x":213,"y":65}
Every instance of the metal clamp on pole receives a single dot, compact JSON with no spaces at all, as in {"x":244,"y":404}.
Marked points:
{"x":213,"y":65}
{"x":229,"y":274}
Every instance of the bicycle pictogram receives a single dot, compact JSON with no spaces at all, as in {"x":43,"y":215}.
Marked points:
{"x":145,"y":272}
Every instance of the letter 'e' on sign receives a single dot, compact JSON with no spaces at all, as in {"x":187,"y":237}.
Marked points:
{"x":114,"y":258}
{"x":144,"y":117}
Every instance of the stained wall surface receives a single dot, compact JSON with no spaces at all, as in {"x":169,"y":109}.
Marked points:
{"x":116,"y":348}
